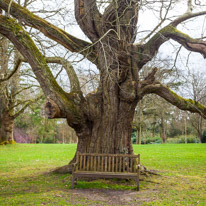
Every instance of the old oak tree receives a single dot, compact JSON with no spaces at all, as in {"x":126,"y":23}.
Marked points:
{"x":103,"y":119}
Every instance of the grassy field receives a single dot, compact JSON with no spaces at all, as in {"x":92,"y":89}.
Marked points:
{"x":25,"y":178}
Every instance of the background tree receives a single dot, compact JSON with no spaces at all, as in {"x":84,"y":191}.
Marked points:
{"x":103,"y":119}
{"x":18,"y":87}
{"x":33,"y":127}
{"x":197,"y":84}
{"x":12,"y":103}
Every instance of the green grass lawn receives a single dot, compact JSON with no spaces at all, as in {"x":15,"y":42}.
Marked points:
{"x":25,"y":178}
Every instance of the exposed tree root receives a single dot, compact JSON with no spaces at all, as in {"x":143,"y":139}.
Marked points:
{"x":146,"y":172}
{"x":63,"y":170}
{"x":7,"y":142}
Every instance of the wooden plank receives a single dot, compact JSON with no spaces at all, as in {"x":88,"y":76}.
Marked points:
{"x":109,"y":165}
{"x":80,"y":166}
{"x":84,"y":156}
{"x":92,"y":163}
{"x":98,"y":167}
{"x":120,"y":164}
{"x":116,"y":164}
{"x":130,"y":164}
{"x":102,"y":165}
{"x":95,"y":163}
{"x":88,"y":159}
{"x":107,"y":175}
{"x":105,"y":164}
{"x":134,"y":165}
{"x":77,"y":160}
{"x":124,"y":164}
{"x":112,"y":163}
{"x":111,"y":155}
{"x":127,"y":164}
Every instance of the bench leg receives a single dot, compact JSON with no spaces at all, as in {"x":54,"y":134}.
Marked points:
{"x":73,"y":181}
{"x":137,"y":184}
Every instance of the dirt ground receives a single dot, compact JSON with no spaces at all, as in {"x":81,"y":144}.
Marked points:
{"x":114,"y":197}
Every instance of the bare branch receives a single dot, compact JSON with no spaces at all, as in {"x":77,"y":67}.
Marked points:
{"x":158,"y":25}
{"x":68,"y":41}
{"x":30,"y":102}
{"x":15,"y":69}
{"x":185,"y":17}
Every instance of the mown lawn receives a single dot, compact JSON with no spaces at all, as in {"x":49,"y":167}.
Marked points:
{"x":25,"y":178}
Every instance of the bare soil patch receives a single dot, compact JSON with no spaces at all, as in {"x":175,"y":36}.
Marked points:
{"x":114,"y":197}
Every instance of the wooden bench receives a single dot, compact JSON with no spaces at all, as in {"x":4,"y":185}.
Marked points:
{"x":104,"y":166}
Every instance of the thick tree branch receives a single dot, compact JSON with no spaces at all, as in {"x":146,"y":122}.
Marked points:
{"x":21,"y":40}
{"x":68,"y":41}
{"x":170,"y":96}
{"x":122,"y":15}
{"x":189,"y":43}
{"x":88,"y":18}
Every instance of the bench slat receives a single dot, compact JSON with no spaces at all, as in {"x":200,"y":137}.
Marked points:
{"x":109,"y":169}
{"x":111,"y":155}
{"x":120,"y":164}
{"x":112,"y":163}
{"x":88,"y":159}
{"x":105,"y":164}
{"x":116,"y":164}
{"x":127,"y":164}
{"x":84,"y":156}
{"x":102,"y":165}
{"x":80,"y":165}
{"x":95,"y":162}
{"x":98,"y":168}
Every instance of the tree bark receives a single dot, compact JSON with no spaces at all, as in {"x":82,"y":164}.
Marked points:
{"x":163,"y":129}
{"x":200,"y":126}
{"x":139,"y":135}
{"x":6,"y":129}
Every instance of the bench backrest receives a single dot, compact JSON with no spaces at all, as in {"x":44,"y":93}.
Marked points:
{"x":107,"y":162}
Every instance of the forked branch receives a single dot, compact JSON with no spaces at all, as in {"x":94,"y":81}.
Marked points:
{"x":14,"y":70}
{"x":170,"y":96}
{"x":29,"y":103}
